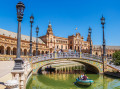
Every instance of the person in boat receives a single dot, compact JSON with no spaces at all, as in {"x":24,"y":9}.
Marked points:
{"x":85,"y":77}
{"x":81,"y":77}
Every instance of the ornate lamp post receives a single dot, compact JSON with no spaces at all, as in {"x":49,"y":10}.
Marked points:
{"x":31,"y":21}
{"x":37,"y":30}
{"x":80,"y":49}
{"x":18,"y":61}
{"x":104,"y":48}
{"x":90,"y":31}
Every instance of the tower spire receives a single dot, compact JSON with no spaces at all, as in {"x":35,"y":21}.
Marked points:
{"x":49,"y":30}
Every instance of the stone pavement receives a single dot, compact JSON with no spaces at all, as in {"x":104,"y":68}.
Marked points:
{"x":5,"y":69}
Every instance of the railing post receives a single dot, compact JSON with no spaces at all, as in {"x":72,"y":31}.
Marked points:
{"x":55,"y":54}
{"x":80,"y":55}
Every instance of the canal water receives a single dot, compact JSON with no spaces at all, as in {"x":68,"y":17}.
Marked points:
{"x":66,"y":81}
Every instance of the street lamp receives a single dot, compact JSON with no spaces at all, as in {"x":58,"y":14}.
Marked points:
{"x":80,"y":48}
{"x":90,"y":31}
{"x":103,"y":22}
{"x":104,"y":48}
{"x":37,"y":30}
{"x":31,"y":21}
{"x":18,"y":61}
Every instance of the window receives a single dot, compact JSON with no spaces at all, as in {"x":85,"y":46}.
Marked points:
{"x":57,"y":47}
{"x":61,"y":46}
{"x":51,"y":40}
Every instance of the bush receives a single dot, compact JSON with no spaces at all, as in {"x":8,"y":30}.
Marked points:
{"x":116,"y":58}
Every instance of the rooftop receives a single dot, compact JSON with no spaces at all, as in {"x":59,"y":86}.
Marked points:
{"x":14,"y":35}
{"x":108,"y":47}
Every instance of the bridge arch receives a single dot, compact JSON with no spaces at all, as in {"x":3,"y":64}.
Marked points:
{"x":89,"y":64}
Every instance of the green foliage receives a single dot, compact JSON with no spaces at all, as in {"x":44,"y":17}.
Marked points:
{"x":116,"y":58}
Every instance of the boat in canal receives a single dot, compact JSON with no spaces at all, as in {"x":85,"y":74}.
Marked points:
{"x":84,"y":82}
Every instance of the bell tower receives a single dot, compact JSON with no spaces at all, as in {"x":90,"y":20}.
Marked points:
{"x":49,"y":30}
{"x":89,"y":40}
{"x":50,"y":38}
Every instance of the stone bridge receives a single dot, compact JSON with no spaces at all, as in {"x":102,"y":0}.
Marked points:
{"x":32,"y":66}
{"x":92,"y":63}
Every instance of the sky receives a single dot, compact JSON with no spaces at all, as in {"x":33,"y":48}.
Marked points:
{"x":65,"y":16}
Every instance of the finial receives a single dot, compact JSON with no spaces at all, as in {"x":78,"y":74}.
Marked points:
{"x":49,"y":22}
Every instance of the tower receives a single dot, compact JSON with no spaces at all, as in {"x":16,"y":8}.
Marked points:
{"x":50,"y":38}
{"x":49,"y":30}
{"x":89,"y":40}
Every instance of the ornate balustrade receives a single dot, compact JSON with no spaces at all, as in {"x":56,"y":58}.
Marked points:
{"x":65,"y":55}
{"x":20,"y":77}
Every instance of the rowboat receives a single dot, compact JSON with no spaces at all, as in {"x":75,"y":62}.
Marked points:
{"x":84,"y":82}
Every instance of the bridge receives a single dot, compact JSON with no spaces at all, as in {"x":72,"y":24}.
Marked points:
{"x":92,"y":62}
{"x":34,"y":64}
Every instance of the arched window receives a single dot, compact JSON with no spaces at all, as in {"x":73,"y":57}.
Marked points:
{"x":14,"y":51}
{"x":25,"y":52}
{"x":57,"y":47}
{"x":8,"y":51}
{"x":46,"y":52}
{"x":110,"y":55}
{"x":34,"y":53}
{"x":42,"y":52}
{"x":1,"y":49}
{"x":38,"y":52}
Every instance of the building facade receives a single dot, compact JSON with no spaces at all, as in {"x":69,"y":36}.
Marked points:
{"x":49,"y":43}
{"x":98,"y":50}
{"x":74,"y":42}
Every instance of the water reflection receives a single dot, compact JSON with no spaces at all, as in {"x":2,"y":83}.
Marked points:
{"x":66,"y":81}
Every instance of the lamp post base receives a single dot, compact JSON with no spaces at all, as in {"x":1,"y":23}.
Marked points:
{"x":18,"y":64}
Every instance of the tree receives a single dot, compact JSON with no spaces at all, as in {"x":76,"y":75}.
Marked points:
{"x":116,"y":58}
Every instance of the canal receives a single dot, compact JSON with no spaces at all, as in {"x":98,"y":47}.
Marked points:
{"x":66,"y":81}
{"x":65,"y":75}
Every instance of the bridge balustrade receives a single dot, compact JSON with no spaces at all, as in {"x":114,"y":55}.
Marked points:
{"x":65,"y":55}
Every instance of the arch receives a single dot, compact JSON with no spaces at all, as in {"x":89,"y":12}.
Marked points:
{"x":1,"y":49}
{"x":110,"y":55}
{"x":57,"y":46}
{"x":29,"y":51}
{"x":42,"y":52}
{"x":14,"y":51}
{"x":21,"y":53}
{"x":78,"y":48}
{"x":88,"y":66}
{"x":96,"y":53}
{"x":71,"y":47}
{"x":34,"y":52}
{"x":8,"y":51}
{"x":25,"y":52}
{"x":75,"y":47}
{"x":46,"y":52}
{"x":38,"y":52}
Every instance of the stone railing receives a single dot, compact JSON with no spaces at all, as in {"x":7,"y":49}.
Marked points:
{"x":10,"y":57}
{"x":20,"y":77}
{"x":64,"y":55}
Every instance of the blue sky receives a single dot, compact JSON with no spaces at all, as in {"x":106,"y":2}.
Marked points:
{"x":65,"y":16}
